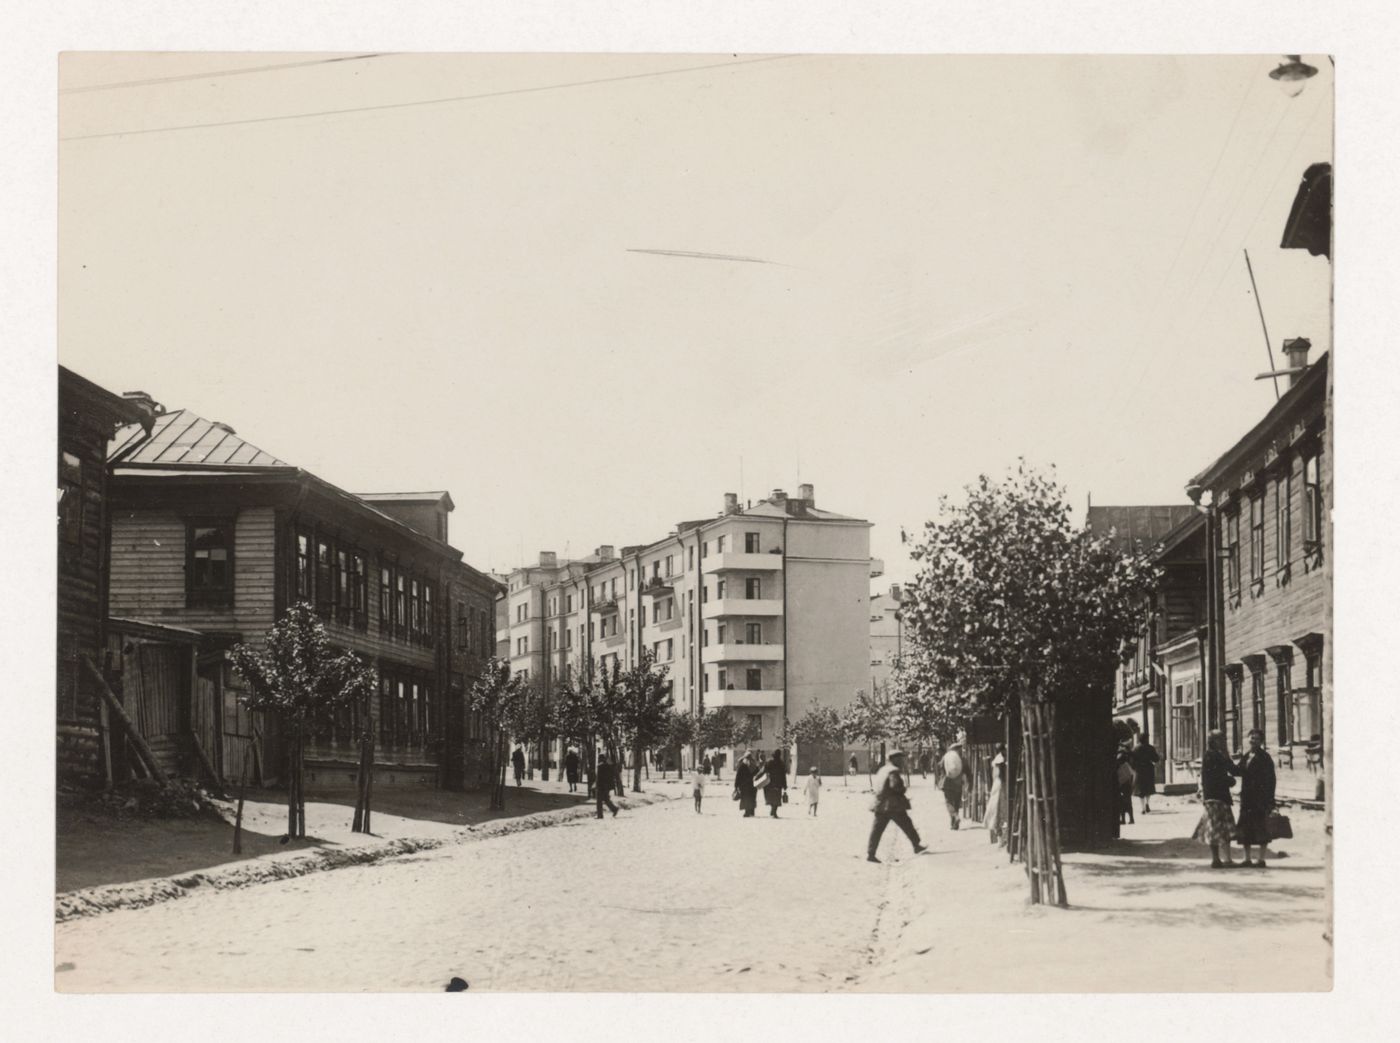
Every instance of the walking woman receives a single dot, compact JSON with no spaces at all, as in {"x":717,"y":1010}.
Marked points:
{"x":744,"y":788}
{"x":992,"y":819}
{"x":1217,"y":825}
{"x":1144,"y":760}
{"x":1257,"y":782}
{"x":774,"y":783}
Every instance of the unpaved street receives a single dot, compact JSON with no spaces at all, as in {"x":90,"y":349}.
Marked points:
{"x":663,"y":899}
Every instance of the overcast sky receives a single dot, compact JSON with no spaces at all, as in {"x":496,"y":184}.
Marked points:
{"x":951,"y":261}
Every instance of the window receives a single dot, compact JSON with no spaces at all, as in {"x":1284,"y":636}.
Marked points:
{"x":568,"y":638}
{"x":1286,"y":732}
{"x":400,"y":602}
{"x":1256,"y":542}
{"x":750,"y":543}
{"x":756,"y":723}
{"x":753,"y":633}
{"x":1236,"y":678}
{"x":1283,"y":522}
{"x":1312,"y":510}
{"x":1257,"y":709}
{"x":428,"y":612}
{"x":70,"y":498}
{"x":719,"y":633}
{"x":1232,"y":550}
{"x":303,"y":581}
{"x":324,"y":569}
{"x":719,"y":545}
{"x":209,"y":563}
{"x":359,"y":590}
{"x":723,"y":678}
{"x":670,"y":649}
{"x":668,"y":609}
{"x":670,"y":564}
{"x":631,"y":579}
{"x":719,"y":589}
{"x":752,"y":588}
{"x":690,"y":557}
{"x":568,"y":602}
{"x":462,"y":626}
{"x":415,"y":607}
{"x":386,"y":613}
{"x":753,"y":679}
{"x":342,"y":585}
{"x":705,"y":681}
{"x":1185,"y":737}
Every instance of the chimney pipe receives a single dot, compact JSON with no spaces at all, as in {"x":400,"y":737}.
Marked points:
{"x":731,"y":503}
{"x":1296,"y":350}
{"x":805,"y":491}
{"x":607,"y":552}
{"x":548,"y":559}
{"x":779,"y":496}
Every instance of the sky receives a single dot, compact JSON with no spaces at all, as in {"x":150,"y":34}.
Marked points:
{"x":407,"y":272}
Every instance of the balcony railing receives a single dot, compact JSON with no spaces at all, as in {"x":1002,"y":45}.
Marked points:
{"x":743,"y":697}
{"x":658,"y":586}
{"x":605,"y":607}
{"x":719,"y":607}
{"x":741,"y":652}
{"x":741,"y":561}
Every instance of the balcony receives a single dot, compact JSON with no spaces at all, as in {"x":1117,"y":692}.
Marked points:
{"x":606,"y":607}
{"x":658,"y":586}
{"x":739,"y":652}
{"x":742,"y":697}
{"x":739,"y":561}
{"x":720,"y":607}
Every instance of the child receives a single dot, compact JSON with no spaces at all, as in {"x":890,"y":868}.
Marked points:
{"x":697,"y":787}
{"x":813,"y":790}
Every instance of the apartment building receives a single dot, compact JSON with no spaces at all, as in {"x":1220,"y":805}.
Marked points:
{"x":763,"y":608}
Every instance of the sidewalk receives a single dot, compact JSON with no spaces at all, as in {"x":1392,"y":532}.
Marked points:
{"x":107,"y":862}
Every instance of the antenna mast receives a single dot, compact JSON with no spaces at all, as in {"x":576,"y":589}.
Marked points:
{"x":1268,"y":346}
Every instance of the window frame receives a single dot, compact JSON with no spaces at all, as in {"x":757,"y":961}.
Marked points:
{"x":210,"y":597}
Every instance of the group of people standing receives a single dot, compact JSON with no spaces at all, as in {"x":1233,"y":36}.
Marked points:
{"x":749,"y":779}
{"x":1258,"y":780}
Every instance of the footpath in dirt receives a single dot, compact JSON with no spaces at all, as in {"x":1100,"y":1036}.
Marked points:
{"x":660,"y":898}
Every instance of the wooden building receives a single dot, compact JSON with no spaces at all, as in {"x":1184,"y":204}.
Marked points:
{"x":212,"y":534}
{"x":87,"y":417}
{"x":1267,"y":496}
{"x":1159,"y":687}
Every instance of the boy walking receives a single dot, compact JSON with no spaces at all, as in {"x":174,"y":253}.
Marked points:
{"x":697,"y":787}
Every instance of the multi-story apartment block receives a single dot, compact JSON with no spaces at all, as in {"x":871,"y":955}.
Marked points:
{"x":763,"y":609}
{"x":888,"y":635}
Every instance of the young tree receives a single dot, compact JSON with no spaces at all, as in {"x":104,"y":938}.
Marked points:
{"x":496,"y":696}
{"x":575,"y":717}
{"x":923,"y":712}
{"x":1018,"y":609}
{"x":868,"y":720}
{"x":682,"y":730}
{"x":300,"y":677}
{"x":531,"y":718}
{"x":820,"y":729}
{"x":643,"y":711}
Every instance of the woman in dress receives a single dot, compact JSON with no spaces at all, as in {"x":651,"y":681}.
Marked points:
{"x":993,"y":818}
{"x":744,"y":787}
{"x":1125,"y":778}
{"x":1145,"y":760}
{"x":774,"y":783}
{"x":1217,"y":825}
{"x":1257,"y":782}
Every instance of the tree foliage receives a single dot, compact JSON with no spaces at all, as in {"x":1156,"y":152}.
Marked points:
{"x":1010,"y":595}
{"x":497,"y":696}
{"x":643,"y":710}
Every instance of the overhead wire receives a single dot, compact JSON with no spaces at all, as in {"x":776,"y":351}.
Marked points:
{"x":218,"y":73}
{"x":430,"y":101}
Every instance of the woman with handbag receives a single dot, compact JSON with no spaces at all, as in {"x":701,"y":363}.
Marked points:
{"x":744,"y":790}
{"x":1257,"y":783}
{"x":774,"y":783}
{"x":1217,"y":825}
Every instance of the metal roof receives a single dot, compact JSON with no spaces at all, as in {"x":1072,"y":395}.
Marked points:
{"x":1137,"y":523}
{"x":182,"y":438}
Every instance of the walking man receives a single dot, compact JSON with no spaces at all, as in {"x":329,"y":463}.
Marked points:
{"x":604,"y":783}
{"x":517,"y":760}
{"x":571,"y":769}
{"x":891,"y":805}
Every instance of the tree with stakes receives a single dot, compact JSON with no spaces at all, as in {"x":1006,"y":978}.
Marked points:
{"x":1019,"y":611}
{"x":643,"y":711}
{"x":819,"y":728}
{"x":682,"y":730}
{"x":301,"y":678}
{"x":496,"y":696}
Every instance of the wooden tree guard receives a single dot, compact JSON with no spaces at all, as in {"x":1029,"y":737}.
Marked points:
{"x":134,"y":736}
{"x":238,"y":816}
{"x":1043,"y":866}
{"x":208,"y":766}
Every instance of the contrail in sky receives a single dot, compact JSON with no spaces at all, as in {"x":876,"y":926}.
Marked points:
{"x":705,"y":256}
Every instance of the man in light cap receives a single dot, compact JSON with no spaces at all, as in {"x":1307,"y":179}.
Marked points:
{"x":891,"y":805}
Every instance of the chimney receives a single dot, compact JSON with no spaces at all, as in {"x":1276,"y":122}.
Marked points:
{"x":806,"y":492}
{"x":1297,"y":351}
{"x":778,"y":498}
{"x":548,"y":559}
{"x":607,"y":552}
{"x":731,"y":503}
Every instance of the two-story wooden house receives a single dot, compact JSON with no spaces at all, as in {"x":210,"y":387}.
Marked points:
{"x":88,"y":415}
{"x":213,"y":534}
{"x":1266,"y":495}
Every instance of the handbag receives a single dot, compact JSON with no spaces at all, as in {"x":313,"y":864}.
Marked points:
{"x":734,"y":795}
{"x":784,"y":796}
{"x":1279,"y":828}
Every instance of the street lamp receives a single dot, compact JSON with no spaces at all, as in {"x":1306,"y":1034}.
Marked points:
{"x":1293,"y":75}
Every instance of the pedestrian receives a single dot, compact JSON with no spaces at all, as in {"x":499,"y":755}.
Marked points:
{"x":993,"y":817}
{"x":891,"y":805}
{"x":1257,"y":783}
{"x":1217,"y":825}
{"x":744,"y":790}
{"x":571,"y":769}
{"x":705,"y":764}
{"x":1145,"y":760}
{"x":774,"y":782}
{"x":854,"y":765}
{"x":813,"y":790}
{"x":925,"y":762}
{"x":518,"y":760}
{"x":717,"y":763}
{"x":697,"y":787}
{"x":1123,"y":779}
{"x":954,"y":775}
{"x":604,"y":783}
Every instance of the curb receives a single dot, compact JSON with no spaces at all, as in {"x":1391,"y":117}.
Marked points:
{"x":138,"y":894}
